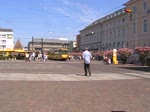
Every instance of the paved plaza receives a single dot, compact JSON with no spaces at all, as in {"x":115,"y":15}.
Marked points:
{"x":70,"y":77}
{"x":63,"y":71}
{"x":57,"y":86}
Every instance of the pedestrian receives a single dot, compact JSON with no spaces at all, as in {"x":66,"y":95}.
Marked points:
{"x":30,"y":57}
{"x":87,"y":57}
{"x":36,"y":56}
{"x":105,"y":59}
{"x":44,"y":57}
{"x":27,"y":57}
{"x":39,"y":57}
{"x":33,"y":55}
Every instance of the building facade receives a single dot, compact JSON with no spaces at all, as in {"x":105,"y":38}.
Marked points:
{"x":119,"y":29}
{"x":139,"y":24}
{"x":38,"y":44}
{"x":6,"y":39}
{"x":72,"y":46}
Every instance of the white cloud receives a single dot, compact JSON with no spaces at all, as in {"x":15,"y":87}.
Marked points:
{"x":66,"y":2}
{"x":77,"y":10}
{"x":87,"y":12}
{"x":62,"y":11}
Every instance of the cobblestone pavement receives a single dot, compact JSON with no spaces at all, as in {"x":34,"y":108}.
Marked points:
{"x":67,"y":71}
{"x":61,"y":87}
{"x":75,"y":96}
{"x":69,"y":77}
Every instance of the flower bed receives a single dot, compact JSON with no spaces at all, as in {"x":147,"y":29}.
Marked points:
{"x":124,"y":53}
{"x":143,"y":52}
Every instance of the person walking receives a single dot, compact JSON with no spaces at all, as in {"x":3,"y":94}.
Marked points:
{"x":87,"y":57}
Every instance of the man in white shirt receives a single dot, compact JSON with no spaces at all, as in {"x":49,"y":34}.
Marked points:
{"x":87,"y":57}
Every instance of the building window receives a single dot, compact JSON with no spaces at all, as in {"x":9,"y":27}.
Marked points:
{"x":134,"y":28}
{"x":123,"y":32}
{"x":3,"y":47}
{"x":2,"y":36}
{"x":106,"y":35}
{"x":144,"y":5}
{"x":118,"y":33}
{"x":103,"y":36}
{"x":110,"y":34}
{"x":3,"y":41}
{"x":9,"y":36}
{"x":110,"y":46}
{"x":145,"y":25}
{"x":114,"y":33}
{"x":134,"y":9}
{"x":144,"y":44}
{"x":114,"y":23}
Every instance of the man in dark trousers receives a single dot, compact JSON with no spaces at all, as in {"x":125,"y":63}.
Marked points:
{"x":87,"y":57}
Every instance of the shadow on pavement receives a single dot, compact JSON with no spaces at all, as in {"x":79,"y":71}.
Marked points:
{"x":118,"y":111}
{"x":80,"y":74}
{"x":140,"y":68}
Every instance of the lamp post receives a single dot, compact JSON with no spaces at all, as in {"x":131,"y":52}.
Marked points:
{"x":136,"y":30}
{"x":32,"y":43}
{"x":101,"y":36}
{"x":41,"y":44}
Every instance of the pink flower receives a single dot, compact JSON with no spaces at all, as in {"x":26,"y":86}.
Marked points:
{"x":108,"y":53}
{"x":124,"y":53}
{"x":142,"y":51}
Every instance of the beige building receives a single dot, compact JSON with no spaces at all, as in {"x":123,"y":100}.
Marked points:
{"x":119,"y":29}
{"x":41,"y":44}
{"x":139,"y":24}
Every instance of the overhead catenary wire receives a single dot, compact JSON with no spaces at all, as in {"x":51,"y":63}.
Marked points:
{"x":22,"y":6}
{"x":97,"y":17}
{"x":64,"y":32}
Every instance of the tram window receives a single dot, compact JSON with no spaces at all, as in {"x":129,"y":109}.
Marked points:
{"x":2,"y":53}
{"x":56,"y":53}
{"x":64,"y":52}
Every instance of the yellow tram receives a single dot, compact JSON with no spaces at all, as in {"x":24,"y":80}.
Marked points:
{"x":12,"y":54}
{"x":60,"y":54}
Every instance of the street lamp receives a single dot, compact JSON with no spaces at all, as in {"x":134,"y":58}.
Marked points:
{"x":41,"y":44}
{"x":101,"y":28}
{"x":32,"y":43}
{"x":92,"y":32}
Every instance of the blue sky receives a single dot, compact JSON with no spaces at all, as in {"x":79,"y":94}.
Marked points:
{"x":52,"y":18}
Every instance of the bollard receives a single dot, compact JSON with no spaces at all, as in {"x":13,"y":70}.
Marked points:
{"x":115,"y":61}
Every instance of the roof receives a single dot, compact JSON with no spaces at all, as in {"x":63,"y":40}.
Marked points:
{"x":18,"y":46}
{"x":106,"y":18}
{"x":6,"y":30}
{"x":50,"y":40}
{"x":63,"y":39}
